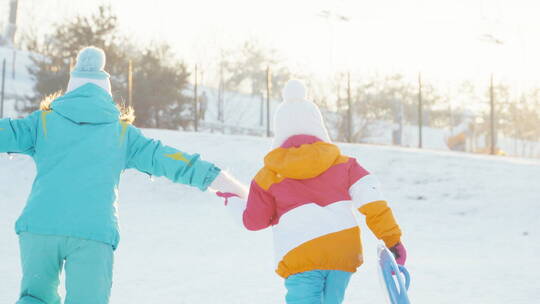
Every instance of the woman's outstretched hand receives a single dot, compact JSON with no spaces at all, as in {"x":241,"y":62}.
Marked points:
{"x":227,"y":186}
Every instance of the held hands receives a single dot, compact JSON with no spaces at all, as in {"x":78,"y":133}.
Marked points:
{"x":400,"y":253}
{"x":227,"y":186}
{"x":226,"y":196}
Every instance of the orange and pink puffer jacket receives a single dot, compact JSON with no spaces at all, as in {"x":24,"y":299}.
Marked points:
{"x":308,"y":192}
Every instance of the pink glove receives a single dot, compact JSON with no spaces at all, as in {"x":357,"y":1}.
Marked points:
{"x":226,"y":196}
{"x":400,"y":253}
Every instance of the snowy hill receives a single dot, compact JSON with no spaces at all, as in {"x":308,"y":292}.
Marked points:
{"x":470,"y":224}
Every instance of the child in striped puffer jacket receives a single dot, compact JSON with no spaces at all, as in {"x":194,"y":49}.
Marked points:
{"x":307,"y":191}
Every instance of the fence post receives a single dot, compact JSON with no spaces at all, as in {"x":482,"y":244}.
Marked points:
{"x":349,"y":110}
{"x":221,"y":95}
{"x":130,"y":83}
{"x":420,"y":118}
{"x":13,"y":66}
{"x":3,"y":87}
{"x":268,"y":92}
{"x":451,"y":118}
{"x":261,"y":109}
{"x":195,"y":102}
{"x":493,"y":142}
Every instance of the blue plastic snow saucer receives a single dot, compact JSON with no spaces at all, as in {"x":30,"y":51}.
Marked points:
{"x":394,"y":277}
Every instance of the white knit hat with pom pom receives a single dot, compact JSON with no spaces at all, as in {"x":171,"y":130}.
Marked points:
{"x":297,"y":116}
{"x":90,"y":69}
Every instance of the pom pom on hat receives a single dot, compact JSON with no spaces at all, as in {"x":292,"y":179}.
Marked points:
{"x":294,"y":90}
{"x":297,"y":116}
{"x":90,"y":64}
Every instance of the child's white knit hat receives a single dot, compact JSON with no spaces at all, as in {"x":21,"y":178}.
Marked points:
{"x":297,"y":116}
{"x":90,"y":69}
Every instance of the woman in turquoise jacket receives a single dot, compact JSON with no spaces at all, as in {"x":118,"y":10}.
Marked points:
{"x":81,"y":146}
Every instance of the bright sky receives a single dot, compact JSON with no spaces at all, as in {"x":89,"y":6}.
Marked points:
{"x":439,"y":38}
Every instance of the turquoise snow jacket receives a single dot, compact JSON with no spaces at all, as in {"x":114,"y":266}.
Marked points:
{"x":80,"y":148}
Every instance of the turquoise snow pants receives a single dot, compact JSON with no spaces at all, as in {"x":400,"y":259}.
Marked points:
{"x":317,"y":287}
{"x":88,"y":265}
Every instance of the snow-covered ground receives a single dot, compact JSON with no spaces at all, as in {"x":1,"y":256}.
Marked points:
{"x":471,"y":226}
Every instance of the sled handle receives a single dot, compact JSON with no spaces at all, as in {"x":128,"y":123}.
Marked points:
{"x":405,"y":272}
{"x":407,"y":276}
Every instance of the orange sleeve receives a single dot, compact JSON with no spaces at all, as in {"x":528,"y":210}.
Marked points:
{"x":381,"y":221}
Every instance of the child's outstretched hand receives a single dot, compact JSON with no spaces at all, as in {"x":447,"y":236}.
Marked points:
{"x":400,"y":253}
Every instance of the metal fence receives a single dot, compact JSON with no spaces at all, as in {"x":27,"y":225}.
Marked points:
{"x":370,"y":112}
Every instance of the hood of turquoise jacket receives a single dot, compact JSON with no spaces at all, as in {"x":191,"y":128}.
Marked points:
{"x":87,"y":104}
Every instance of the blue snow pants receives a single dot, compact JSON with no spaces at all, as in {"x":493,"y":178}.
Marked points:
{"x":317,"y":287}
{"x":88,"y":266}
